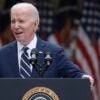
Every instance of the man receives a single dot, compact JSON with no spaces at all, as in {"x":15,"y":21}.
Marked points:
{"x":24,"y":24}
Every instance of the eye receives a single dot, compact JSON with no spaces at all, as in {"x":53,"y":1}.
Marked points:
{"x":12,"y":21}
{"x":21,"y":21}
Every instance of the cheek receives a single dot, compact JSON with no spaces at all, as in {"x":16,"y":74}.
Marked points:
{"x":12,"y":28}
{"x":29,"y":27}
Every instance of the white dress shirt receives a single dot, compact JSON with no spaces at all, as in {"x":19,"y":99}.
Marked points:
{"x":31,"y":45}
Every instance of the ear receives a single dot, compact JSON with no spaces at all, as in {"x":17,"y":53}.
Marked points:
{"x":36,"y":25}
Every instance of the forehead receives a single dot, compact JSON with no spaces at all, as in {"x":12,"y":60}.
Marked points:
{"x":20,"y":11}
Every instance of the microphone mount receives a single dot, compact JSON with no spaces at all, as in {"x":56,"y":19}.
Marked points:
{"x":40,"y":68}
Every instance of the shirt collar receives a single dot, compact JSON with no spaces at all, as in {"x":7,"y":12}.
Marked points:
{"x":31,"y":45}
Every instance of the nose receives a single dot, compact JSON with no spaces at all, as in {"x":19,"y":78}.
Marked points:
{"x":16,"y":25}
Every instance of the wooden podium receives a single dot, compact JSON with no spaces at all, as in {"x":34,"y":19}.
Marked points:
{"x":45,"y":89}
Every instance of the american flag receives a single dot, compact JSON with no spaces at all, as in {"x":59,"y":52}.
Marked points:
{"x":46,"y":12}
{"x":88,"y":43}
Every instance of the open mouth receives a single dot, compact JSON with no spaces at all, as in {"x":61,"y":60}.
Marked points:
{"x":18,"y":32}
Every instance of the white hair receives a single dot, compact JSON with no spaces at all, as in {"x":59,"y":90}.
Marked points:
{"x":35,"y":13}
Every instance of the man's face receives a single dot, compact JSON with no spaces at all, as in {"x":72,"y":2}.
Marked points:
{"x":23,"y":25}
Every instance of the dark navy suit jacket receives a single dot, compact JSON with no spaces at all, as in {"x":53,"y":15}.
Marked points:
{"x":61,"y":66}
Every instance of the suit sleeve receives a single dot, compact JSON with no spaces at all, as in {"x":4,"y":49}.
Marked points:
{"x":66,"y":68}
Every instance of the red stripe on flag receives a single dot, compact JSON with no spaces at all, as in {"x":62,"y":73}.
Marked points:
{"x":81,"y":45}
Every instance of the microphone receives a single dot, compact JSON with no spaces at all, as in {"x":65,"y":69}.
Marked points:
{"x":33,"y":59}
{"x":40,"y":68}
{"x":48,"y":58}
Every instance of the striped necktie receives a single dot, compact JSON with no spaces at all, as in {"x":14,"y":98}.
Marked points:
{"x":25,"y":70}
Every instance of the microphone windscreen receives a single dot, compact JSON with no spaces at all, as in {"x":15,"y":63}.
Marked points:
{"x":34,"y":51}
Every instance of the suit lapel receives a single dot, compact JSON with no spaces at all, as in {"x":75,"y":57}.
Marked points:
{"x":13,"y":59}
{"x":40,"y":44}
{"x":41,"y":49}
